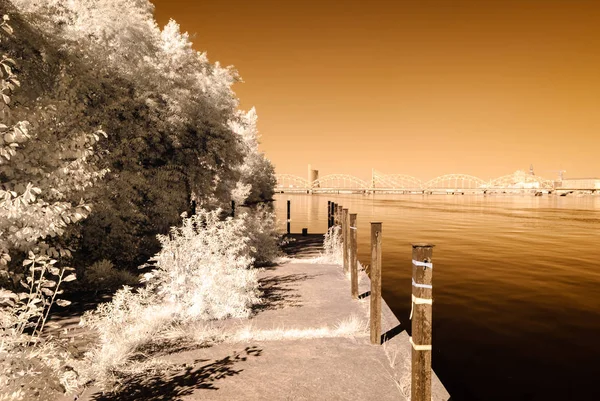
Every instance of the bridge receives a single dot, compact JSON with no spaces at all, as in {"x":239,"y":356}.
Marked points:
{"x":518,"y":182}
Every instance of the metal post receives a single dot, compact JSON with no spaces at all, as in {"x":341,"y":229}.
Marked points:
{"x":345,"y":239}
{"x":232,"y":208}
{"x":375,"y":310}
{"x":353,"y":261}
{"x":328,"y":215}
{"x":288,"y":215}
{"x":421,"y":306}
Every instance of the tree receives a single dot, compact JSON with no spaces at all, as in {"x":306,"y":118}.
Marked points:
{"x":167,"y":111}
{"x":257,"y":173}
{"x":41,"y":165}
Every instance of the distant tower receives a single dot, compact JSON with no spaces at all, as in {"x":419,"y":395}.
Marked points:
{"x":531,"y":170}
{"x":313,"y":175}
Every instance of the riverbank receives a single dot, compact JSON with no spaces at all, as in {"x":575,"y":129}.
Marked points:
{"x":307,"y":340}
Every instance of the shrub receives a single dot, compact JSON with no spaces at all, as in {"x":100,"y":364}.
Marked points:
{"x":103,"y":275}
{"x":202,"y":273}
{"x":203,"y":267}
{"x":35,"y":373}
{"x":261,"y":229}
{"x":32,"y":367}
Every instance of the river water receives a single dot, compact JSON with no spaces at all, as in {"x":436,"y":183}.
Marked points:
{"x":516,"y":312}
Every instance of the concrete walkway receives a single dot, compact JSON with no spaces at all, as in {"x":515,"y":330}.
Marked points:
{"x":307,"y":341}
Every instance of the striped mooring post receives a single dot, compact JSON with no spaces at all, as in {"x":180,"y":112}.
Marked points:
{"x":421,"y":308}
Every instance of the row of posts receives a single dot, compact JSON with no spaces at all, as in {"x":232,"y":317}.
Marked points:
{"x":421,"y":308}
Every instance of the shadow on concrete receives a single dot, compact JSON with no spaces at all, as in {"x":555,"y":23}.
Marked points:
{"x":163,"y":387}
{"x":303,"y":245}
{"x":364,"y":295}
{"x":279,"y":291}
{"x":391,"y":333}
{"x":166,"y":347}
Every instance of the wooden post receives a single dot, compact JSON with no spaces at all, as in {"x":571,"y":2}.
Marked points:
{"x":328,"y":215}
{"x":422,"y":291}
{"x":288,"y":215}
{"x":345,"y":239}
{"x":193,"y":213}
{"x":232,"y":208}
{"x":333,"y":217}
{"x":375,"y":310}
{"x":353,"y":261}
{"x":332,"y":214}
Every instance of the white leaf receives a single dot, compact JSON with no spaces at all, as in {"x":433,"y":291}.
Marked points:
{"x":70,"y":277}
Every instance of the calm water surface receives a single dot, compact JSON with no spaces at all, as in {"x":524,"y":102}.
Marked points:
{"x":516,"y":314}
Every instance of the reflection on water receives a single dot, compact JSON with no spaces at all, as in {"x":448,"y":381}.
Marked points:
{"x":516,"y":285}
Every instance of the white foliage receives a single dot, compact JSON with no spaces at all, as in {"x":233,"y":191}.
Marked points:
{"x":261,"y":228}
{"x":332,"y":245}
{"x":203,"y":268}
{"x":202,"y":274}
{"x":240,"y":193}
{"x":256,"y":170}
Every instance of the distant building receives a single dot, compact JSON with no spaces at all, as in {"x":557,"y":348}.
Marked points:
{"x":578,"y":183}
{"x":518,"y":180}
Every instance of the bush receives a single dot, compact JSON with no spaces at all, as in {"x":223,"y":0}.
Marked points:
{"x":261,"y":229}
{"x":203,"y":267}
{"x":103,"y":275}
{"x":32,"y":367}
{"x":35,"y":373}
{"x":202,"y":273}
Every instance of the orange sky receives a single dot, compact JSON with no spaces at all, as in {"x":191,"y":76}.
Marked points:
{"x":415,"y":87}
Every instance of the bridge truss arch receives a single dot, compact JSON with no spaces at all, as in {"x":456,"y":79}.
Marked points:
{"x":290,"y":181}
{"x":456,"y":182}
{"x":396,"y":181}
{"x":340,"y":181}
